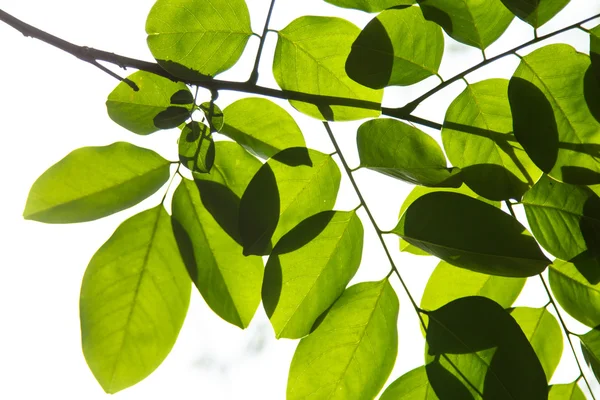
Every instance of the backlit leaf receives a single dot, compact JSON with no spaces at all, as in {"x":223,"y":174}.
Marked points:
{"x":353,"y":350}
{"x":190,"y":38}
{"x":590,"y":347}
{"x":93,"y":182}
{"x":398,"y":47}
{"x":196,"y":147}
{"x":310,"y":57}
{"x":568,"y":391}
{"x":404,"y":152}
{"x":471,"y":234}
{"x":370,"y":6}
{"x":214,"y":115}
{"x":414,"y":385}
{"x":535,"y":12}
{"x":309,"y":268}
{"x":261,"y":126}
{"x":134,"y":298}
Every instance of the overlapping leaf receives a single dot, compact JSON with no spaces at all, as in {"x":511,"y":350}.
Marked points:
{"x":214,"y":116}
{"x":134,"y":298}
{"x":207,"y":210}
{"x":309,"y":269}
{"x":353,"y":350}
{"x":568,"y":391}
{"x":195,"y":38}
{"x":535,"y":12}
{"x":398,"y":47}
{"x":404,"y":152}
{"x":565,"y":219}
{"x":159,"y":103}
{"x":93,"y":182}
{"x":590,"y":346}
{"x":475,"y":23}
{"x":477,"y":137}
{"x":196,"y":147}
{"x":293,"y":185}
{"x":370,"y":6}
{"x":414,"y":385}
{"x":551,"y":114}
{"x":471,"y":234}
{"x":310,"y":57}
{"x":261,"y":126}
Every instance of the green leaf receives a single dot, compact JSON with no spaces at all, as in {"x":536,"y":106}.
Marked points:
{"x":310,"y":57}
{"x":565,"y":219}
{"x":189,"y":38}
{"x":419,"y":191}
{"x":448,"y":283}
{"x":569,"y":391}
{"x":144,"y":111}
{"x":309,"y":269}
{"x":475,"y":23}
{"x":196,"y":147}
{"x":134,"y":298}
{"x":576,"y":295}
{"x":535,"y":12}
{"x":353,"y":350}
{"x":207,"y":211}
{"x":483,"y":330}
{"x":595,"y":51}
{"x":590,"y":347}
{"x":214,"y":116}
{"x":370,"y":6}
{"x":93,"y":182}
{"x":414,"y":385}
{"x":398,"y":47}
{"x":477,"y":137}
{"x":261,"y":126}
{"x":404,"y":152}
{"x":551,"y":117}
{"x":293,"y":185}
{"x":471,"y":234}
{"x":543,"y":332}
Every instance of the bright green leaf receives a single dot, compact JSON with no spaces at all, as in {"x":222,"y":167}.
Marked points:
{"x":214,"y":115}
{"x":398,"y":47}
{"x":352,"y":352}
{"x":309,"y":269}
{"x":471,"y":234}
{"x":144,"y":111}
{"x":414,"y":385}
{"x":93,"y":182}
{"x":310,"y":57}
{"x":590,"y":347}
{"x":196,"y":147}
{"x":207,"y":211}
{"x":564,"y":218}
{"x":261,"y":126}
{"x":404,"y":152}
{"x":535,"y":12}
{"x":293,"y":185}
{"x":190,"y":38}
{"x":551,"y":117}
{"x":476,"y":23}
{"x":134,"y":298}
{"x":477,"y":137}
{"x":370,"y":6}
{"x":543,"y":332}
{"x":569,"y":391}
{"x":575,"y":294}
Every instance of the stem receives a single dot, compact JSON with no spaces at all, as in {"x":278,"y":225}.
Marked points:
{"x":510,"y":208}
{"x":254,"y":75}
{"x":170,"y":182}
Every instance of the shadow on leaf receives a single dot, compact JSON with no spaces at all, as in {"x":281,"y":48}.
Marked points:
{"x":494,"y":182}
{"x":222,"y":204}
{"x":171,"y":117}
{"x":186,"y":249}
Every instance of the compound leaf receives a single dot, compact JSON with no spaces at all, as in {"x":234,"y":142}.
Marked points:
{"x":535,"y":12}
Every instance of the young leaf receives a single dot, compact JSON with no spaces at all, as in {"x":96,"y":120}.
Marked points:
{"x":370,"y":6}
{"x":535,"y":12}
{"x":475,"y":23}
{"x":543,"y":332}
{"x":93,"y":182}
{"x":564,"y":218}
{"x":293,"y":185}
{"x":471,"y":234}
{"x":479,"y":327}
{"x":477,"y":137}
{"x":309,"y":269}
{"x":404,"y":152}
{"x":146,"y":110}
{"x":575,"y":294}
{"x":419,"y":191}
{"x":214,"y":116}
{"x":353,"y":350}
{"x":398,"y":47}
{"x":190,"y":38}
{"x":590,"y":347}
{"x":310,"y":57}
{"x":196,"y":147}
{"x":261,"y":126}
{"x":568,"y":391}
{"x":551,"y":117}
{"x":207,"y":210}
{"x":134,"y":298}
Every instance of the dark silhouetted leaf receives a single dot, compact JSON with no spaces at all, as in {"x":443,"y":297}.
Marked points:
{"x":196,"y":147}
{"x":535,"y":12}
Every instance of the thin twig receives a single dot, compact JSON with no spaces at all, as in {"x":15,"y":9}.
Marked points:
{"x":254,"y":75}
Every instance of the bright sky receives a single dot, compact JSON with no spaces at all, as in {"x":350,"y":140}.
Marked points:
{"x":52,"y":103}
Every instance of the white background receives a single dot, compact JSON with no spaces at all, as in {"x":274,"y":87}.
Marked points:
{"x":52,"y":103}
